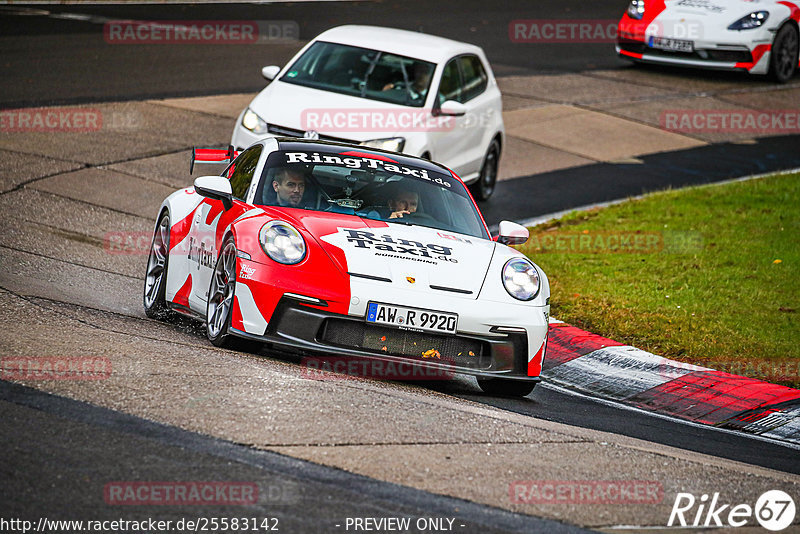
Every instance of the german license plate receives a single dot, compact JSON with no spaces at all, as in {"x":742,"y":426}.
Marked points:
{"x":412,"y":318}
{"x":671,"y":45}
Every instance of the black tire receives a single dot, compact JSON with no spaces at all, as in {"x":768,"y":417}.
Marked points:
{"x":500,"y":387}
{"x":220,"y":296}
{"x":222,"y":288}
{"x":483,"y":188}
{"x":784,"y":57}
{"x":155,"y":278}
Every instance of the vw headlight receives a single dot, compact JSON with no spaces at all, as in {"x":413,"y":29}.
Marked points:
{"x":636,"y":9}
{"x":282,"y":242}
{"x":253,"y":122}
{"x":748,"y":22}
{"x":395,"y":144}
{"x":521,"y":279}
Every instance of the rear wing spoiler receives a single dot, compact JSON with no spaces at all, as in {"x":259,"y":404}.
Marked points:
{"x":212,"y":155}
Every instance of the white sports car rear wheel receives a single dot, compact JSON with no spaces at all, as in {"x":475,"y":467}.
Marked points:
{"x":155,"y":280}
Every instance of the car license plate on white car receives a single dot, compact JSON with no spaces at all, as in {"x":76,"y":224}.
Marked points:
{"x":412,"y":318}
{"x":671,"y":45}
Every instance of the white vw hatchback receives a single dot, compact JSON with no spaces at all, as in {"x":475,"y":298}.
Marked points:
{"x":391,"y":89}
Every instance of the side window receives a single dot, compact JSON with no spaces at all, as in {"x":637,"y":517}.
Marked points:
{"x":241,"y":171}
{"x":450,"y":86}
{"x":475,"y":78}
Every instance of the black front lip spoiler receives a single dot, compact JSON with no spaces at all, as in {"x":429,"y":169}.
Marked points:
{"x":295,"y":325}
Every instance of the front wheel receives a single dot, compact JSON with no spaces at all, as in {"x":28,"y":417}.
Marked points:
{"x":220,"y":302}
{"x":784,"y":57}
{"x":484,"y":187}
{"x":220,"y":296}
{"x":155,"y":279}
{"x":500,"y":387}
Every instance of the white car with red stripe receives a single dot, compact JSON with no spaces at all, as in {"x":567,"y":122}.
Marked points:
{"x":757,"y":36}
{"x":337,"y":271}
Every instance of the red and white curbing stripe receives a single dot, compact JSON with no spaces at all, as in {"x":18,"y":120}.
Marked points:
{"x":601,"y":367}
{"x":581,"y":361}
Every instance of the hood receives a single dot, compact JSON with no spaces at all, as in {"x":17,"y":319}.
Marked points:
{"x":714,"y":12}
{"x":410,"y":257}
{"x":304,"y":108}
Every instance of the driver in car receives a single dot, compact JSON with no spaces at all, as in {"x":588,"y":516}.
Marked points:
{"x":289,"y":185}
{"x":418,"y":85}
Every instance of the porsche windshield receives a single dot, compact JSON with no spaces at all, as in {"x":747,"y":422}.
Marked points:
{"x":372,"y":186}
{"x":362,"y":72}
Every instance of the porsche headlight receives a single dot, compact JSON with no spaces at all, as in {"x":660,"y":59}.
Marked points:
{"x":395,"y":144}
{"x":748,"y":22}
{"x":282,"y":242}
{"x":253,"y":122}
{"x":521,"y":279}
{"x":636,"y":9}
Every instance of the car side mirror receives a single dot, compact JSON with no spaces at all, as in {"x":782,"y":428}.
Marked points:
{"x":215,"y":188}
{"x":452,"y":108}
{"x":270,"y":72}
{"x":512,"y":233}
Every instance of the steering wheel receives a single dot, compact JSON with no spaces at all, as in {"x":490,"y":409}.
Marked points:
{"x":420,"y":217}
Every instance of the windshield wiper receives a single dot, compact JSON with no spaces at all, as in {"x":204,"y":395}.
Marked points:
{"x":371,"y":68}
{"x":407,"y":84}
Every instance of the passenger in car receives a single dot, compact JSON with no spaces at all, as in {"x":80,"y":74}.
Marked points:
{"x":401,"y":200}
{"x":404,"y":202}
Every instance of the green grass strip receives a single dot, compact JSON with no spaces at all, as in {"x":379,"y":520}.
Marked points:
{"x":708,"y":275}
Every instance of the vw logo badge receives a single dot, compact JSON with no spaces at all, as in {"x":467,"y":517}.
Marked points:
{"x":311,"y":134}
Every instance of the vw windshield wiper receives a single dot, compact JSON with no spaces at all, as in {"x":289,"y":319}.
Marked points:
{"x":406,"y":82}
{"x":369,"y":72}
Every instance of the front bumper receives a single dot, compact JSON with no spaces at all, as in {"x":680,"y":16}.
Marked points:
{"x":711,"y":49}
{"x":740,"y":59}
{"x":309,"y":329}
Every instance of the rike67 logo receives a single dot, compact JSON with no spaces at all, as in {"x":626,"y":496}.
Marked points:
{"x":774,"y":510}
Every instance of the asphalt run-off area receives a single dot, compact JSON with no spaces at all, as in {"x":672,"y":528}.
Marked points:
{"x":174,"y":430}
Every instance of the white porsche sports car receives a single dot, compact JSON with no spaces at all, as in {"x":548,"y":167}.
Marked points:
{"x":337,"y":249}
{"x":387,"y":88}
{"x":757,"y":36}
